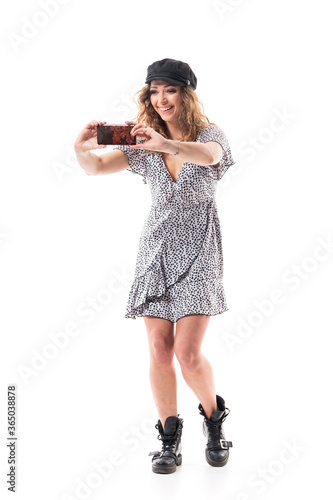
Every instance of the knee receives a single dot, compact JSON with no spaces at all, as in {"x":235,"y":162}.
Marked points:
{"x":162,"y":351}
{"x":189,"y":358}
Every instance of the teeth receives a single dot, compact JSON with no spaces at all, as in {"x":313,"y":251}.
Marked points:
{"x":165,"y":109}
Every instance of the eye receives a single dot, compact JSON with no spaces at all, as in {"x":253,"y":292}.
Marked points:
{"x":170,"y":90}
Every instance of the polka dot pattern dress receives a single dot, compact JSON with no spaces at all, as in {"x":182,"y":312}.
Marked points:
{"x":179,"y":266}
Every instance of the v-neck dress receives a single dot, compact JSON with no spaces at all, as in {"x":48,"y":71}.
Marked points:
{"x":179,"y":265}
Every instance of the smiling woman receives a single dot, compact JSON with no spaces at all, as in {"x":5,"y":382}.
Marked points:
{"x":178,"y":275}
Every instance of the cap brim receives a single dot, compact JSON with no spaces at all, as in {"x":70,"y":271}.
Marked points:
{"x":167,"y":79}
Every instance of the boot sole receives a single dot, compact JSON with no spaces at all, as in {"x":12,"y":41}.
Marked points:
{"x":216,"y":464}
{"x":164,"y":469}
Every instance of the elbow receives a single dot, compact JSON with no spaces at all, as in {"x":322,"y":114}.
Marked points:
{"x":216,"y":162}
{"x":94,"y":172}
{"x":213,"y":161}
{"x":213,"y":158}
{"x":97,"y":167}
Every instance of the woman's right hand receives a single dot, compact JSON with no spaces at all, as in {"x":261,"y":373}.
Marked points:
{"x":87,"y":138}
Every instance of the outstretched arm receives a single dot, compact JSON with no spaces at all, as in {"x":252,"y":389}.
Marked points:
{"x":209,"y":153}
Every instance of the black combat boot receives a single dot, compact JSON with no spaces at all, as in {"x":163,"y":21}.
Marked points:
{"x":166,"y":461}
{"x":217,"y":448}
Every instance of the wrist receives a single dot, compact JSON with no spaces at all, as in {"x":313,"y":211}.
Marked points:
{"x":172,"y":147}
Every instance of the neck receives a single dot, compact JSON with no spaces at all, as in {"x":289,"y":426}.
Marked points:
{"x":174,"y":131}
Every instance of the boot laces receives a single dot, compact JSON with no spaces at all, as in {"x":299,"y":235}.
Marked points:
{"x":215,"y":428}
{"x":168,"y":442}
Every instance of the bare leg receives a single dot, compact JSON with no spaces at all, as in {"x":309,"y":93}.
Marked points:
{"x":162,"y":371}
{"x":195,"y":367}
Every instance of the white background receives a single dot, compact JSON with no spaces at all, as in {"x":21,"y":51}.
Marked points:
{"x":65,"y":237}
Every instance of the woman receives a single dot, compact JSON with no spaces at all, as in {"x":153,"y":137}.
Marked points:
{"x":179,"y":268}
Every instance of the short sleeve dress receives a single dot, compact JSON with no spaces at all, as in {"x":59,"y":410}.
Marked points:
{"x":179,"y":265}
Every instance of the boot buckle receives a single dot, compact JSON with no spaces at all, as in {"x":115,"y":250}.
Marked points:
{"x":225,"y":444}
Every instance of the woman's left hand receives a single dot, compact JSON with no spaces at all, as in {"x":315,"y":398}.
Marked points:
{"x":154,"y":141}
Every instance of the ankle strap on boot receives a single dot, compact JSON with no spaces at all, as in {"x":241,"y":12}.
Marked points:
{"x":225,"y":445}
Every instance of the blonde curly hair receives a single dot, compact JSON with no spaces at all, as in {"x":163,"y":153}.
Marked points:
{"x":192,"y":118}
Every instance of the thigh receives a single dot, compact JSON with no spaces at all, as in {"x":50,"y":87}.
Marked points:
{"x":160,"y":332}
{"x":190,"y":331}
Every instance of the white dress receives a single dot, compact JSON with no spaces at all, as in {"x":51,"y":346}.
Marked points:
{"x":179,"y":265}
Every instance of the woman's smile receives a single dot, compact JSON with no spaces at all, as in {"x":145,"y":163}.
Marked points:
{"x":166,"y":109}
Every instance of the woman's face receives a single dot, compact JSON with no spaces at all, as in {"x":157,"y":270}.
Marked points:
{"x":164,"y":95}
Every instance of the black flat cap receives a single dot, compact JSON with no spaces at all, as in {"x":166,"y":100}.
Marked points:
{"x":172,"y":71}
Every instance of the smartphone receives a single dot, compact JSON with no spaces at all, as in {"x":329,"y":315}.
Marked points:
{"x":115,"y":133}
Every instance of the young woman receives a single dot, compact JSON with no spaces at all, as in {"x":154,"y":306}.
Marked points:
{"x":179,"y":268}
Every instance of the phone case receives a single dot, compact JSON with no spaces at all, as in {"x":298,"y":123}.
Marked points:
{"x":115,"y":134}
